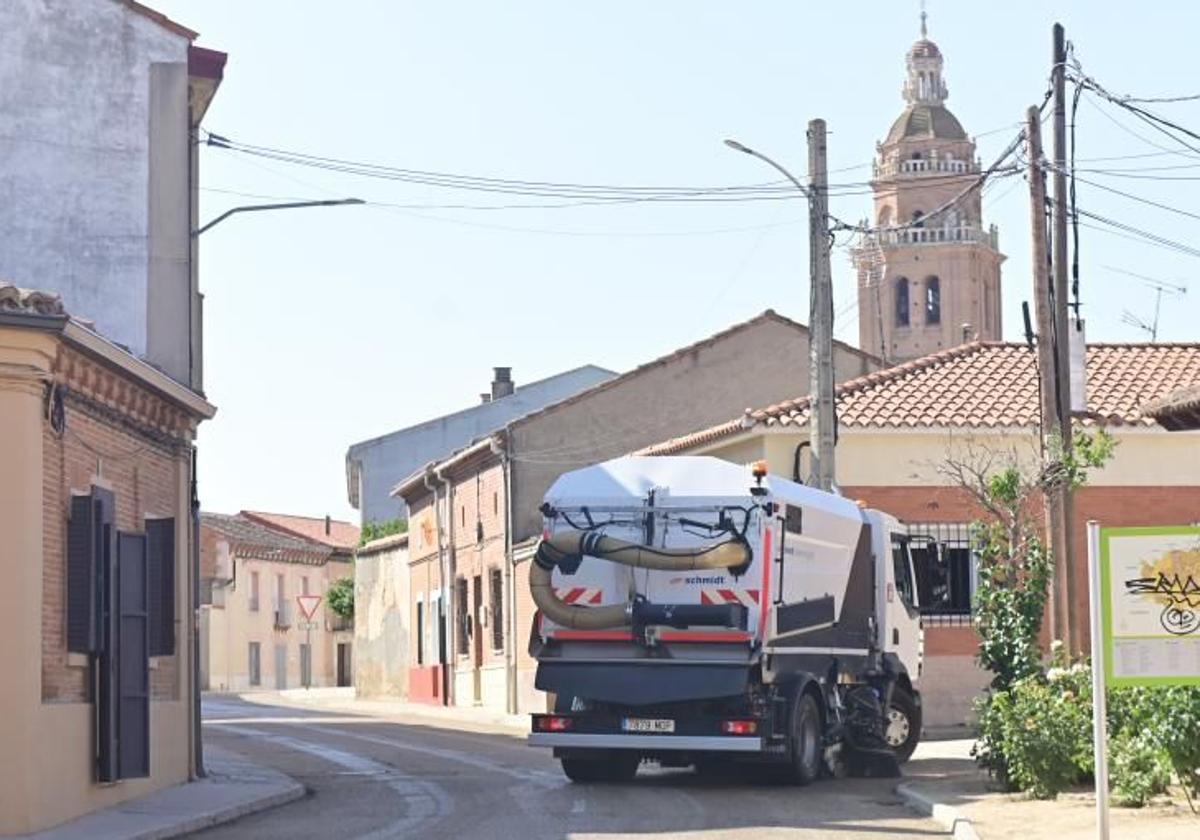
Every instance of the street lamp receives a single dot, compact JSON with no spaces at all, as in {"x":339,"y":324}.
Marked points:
{"x":249,"y":208}
{"x":736,"y":146}
{"x":822,"y":413}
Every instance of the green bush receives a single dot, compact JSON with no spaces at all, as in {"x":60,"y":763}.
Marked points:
{"x":1139,"y":769}
{"x":1036,"y":736}
{"x":341,"y":597}
{"x":379,"y":530}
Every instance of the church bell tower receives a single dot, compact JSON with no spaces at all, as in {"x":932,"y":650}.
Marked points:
{"x":929,"y":274}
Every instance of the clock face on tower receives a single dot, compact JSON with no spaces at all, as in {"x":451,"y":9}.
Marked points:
{"x":929,"y":272}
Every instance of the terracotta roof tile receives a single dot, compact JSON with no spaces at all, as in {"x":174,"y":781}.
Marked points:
{"x":253,"y":539}
{"x":29,"y":301}
{"x":341,"y":534}
{"x":1177,"y":410}
{"x":984,"y":385}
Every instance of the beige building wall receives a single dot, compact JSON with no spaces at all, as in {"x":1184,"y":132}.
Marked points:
{"x":47,"y":774}
{"x":910,"y":457}
{"x":235,"y":620}
{"x":382,"y":619}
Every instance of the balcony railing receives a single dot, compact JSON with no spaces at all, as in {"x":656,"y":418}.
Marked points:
{"x":939,"y":236}
{"x":283,"y":616}
{"x":338,"y":624}
{"x":924,"y":166}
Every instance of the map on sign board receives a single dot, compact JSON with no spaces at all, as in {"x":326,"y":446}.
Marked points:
{"x":308,"y":605}
{"x":1150,"y":592}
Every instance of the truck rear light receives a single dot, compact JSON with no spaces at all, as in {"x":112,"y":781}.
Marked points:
{"x":552,"y":723}
{"x":739,"y":727}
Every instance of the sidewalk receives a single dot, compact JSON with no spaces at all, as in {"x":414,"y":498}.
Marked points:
{"x":942,"y":777}
{"x":467,"y":718}
{"x":234,"y":787}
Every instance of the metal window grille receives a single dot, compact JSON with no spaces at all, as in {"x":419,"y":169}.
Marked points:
{"x":496,"y":579}
{"x":463,"y":645}
{"x":946,"y":565}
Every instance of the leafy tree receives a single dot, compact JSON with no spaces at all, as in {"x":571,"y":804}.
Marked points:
{"x":1014,"y":573}
{"x":341,"y":597}
{"x":379,"y":530}
{"x":1014,"y":566}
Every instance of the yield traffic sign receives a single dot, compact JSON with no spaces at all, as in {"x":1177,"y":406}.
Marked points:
{"x":308,"y":605}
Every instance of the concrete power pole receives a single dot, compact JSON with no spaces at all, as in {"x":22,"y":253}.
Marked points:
{"x":1062,"y":342}
{"x":820,"y":322}
{"x":1055,"y":522}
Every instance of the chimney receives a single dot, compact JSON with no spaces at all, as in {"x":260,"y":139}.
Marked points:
{"x":968,"y":333}
{"x":328,"y":525}
{"x":485,"y":397}
{"x":1077,"y":354}
{"x":502,"y":384}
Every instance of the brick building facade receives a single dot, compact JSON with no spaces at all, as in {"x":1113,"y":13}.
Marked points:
{"x":96,"y":509}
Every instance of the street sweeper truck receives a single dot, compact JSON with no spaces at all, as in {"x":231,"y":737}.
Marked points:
{"x":692,"y":611}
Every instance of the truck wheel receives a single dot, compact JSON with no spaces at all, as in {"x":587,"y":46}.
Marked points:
{"x":902,"y":729}
{"x":806,"y":741}
{"x":607,"y":768}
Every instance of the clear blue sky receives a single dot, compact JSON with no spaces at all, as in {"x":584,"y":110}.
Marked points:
{"x":324,"y":327}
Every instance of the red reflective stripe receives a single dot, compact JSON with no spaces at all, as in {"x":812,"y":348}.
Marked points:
{"x":595,"y":599}
{"x":704,"y":636}
{"x":704,"y":599}
{"x":753,"y":593}
{"x":573,"y":595}
{"x":729,"y":596}
{"x":593,"y":635}
{"x":766,"y":583}
{"x":668,"y":636}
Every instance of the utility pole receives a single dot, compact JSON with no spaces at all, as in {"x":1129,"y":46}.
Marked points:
{"x":820,"y":316}
{"x":1062,"y":359}
{"x":820,"y":319}
{"x":1055,"y":523}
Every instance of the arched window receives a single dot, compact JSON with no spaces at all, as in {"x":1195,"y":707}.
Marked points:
{"x":933,"y":300}
{"x":902,"y":302}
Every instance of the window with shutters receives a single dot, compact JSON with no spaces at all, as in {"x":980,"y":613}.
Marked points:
{"x":255,"y":664}
{"x":463,"y":624}
{"x":496,"y":604}
{"x":91,"y":547}
{"x":160,"y":566}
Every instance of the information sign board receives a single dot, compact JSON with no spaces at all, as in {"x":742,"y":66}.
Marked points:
{"x":1150,"y":605}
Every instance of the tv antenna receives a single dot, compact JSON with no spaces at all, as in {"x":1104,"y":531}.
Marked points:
{"x":1160,"y":287}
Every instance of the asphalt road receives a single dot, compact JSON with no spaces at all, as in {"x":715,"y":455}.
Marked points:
{"x":371,"y":777}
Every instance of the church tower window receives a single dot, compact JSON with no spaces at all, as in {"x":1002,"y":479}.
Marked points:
{"x":902,"y":302}
{"x":933,"y":301}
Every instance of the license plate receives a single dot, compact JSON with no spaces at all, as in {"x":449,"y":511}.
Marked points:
{"x":648,"y":725}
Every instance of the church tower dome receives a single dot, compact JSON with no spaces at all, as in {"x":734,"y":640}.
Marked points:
{"x":929,"y":274}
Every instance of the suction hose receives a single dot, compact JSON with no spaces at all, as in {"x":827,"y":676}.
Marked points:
{"x":569,"y":547}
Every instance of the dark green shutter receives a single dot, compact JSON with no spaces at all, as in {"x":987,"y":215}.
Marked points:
{"x":160,"y":547}
{"x":81,"y":576}
{"x":133,"y":659}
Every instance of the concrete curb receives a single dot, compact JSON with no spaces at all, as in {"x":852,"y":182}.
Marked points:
{"x":181,"y":810}
{"x":220,"y":817}
{"x":948,"y":816}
